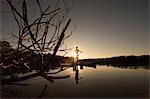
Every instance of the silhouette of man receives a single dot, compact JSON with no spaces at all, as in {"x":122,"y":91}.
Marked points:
{"x":77,"y":53}
{"x":77,"y":76}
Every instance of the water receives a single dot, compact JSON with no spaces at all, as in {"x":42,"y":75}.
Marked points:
{"x":98,"y":82}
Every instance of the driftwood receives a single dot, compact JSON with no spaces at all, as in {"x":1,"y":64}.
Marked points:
{"x":35,"y":33}
{"x":41,"y":73}
{"x":33,"y":36}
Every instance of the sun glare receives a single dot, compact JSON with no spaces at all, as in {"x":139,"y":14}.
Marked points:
{"x":73,"y":53}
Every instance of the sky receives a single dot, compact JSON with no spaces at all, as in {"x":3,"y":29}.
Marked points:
{"x":106,"y":28}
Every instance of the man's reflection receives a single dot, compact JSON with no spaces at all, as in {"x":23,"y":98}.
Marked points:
{"x":77,"y":73}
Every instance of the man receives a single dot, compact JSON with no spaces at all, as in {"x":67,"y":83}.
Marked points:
{"x":77,"y":53}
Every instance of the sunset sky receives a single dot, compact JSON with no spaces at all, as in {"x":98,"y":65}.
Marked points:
{"x":106,"y":28}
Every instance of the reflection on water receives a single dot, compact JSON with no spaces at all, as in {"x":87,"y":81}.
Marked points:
{"x":86,"y":82}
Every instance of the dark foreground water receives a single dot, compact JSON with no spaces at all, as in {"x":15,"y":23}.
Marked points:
{"x":88,"y":82}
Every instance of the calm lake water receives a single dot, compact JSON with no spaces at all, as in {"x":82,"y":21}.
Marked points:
{"x":88,"y":82}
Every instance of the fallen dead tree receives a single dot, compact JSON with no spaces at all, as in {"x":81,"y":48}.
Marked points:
{"x":37,"y":35}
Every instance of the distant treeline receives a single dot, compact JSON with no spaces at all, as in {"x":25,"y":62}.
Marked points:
{"x":142,"y":60}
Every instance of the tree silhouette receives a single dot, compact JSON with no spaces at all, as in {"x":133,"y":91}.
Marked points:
{"x":44,"y":33}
